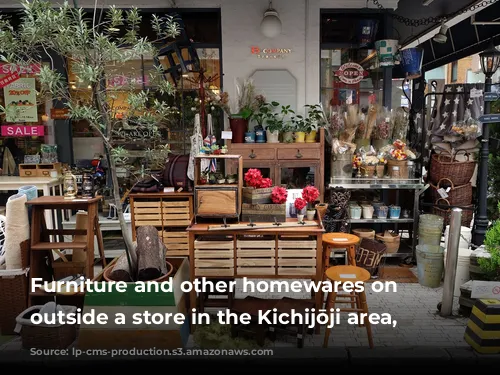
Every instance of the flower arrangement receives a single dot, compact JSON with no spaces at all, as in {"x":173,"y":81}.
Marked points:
{"x":357,"y":161}
{"x":399,"y":151}
{"x":265,"y":183}
{"x":253,"y":178}
{"x":279,"y":195}
{"x":299,"y":204}
{"x":310,"y":194}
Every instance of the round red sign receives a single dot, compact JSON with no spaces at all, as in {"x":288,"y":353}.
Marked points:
{"x":351,"y":73}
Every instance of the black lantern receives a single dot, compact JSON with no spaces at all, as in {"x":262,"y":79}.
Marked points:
{"x":490,"y":60}
{"x":178,"y":57}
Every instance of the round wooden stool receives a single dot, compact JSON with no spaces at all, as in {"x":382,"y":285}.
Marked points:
{"x":339,"y":241}
{"x":357,"y":300}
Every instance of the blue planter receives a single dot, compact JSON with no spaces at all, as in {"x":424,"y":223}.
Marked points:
{"x":367,"y":30}
{"x":411,"y":62}
{"x":260,"y":136}
{"x":250,"y":137}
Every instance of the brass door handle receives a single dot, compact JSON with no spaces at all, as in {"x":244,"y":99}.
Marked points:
{"x":252,"y":155}
{"x":298,"y":155}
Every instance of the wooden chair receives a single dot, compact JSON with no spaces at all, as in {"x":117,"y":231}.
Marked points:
{"x":357,"y":300}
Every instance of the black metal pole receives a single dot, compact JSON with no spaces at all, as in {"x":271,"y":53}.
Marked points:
{"x":481,"y":218}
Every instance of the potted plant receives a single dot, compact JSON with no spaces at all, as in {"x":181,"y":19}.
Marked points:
{"x":274,"y":127}
{"x":223,"y":150}
{"x":310,"y":194}
{"x":220,"y":178}
{"x":203,"y":178}
{"x":288,"y":132}
{"x":314,"y":119}
{"x":257,"y":189}
{"x":260,"y":116}
{"x":231,"y":178}
{"x":205,"y":150}
{"x":490,"y":266}
{"x":215,"y":149}
{"x":300,"y":128}
{"x":300,"y":205}
{"x":212,"y":179}
{"x":242,"y":109}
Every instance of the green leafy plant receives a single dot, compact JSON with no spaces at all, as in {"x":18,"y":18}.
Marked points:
{"x":246,"y":103}
{"x":315,"y":118}
{"x":276,"y":121}
{"x":263,"y":112}
{"x":98,"y":45}
{"x":491,"y":266}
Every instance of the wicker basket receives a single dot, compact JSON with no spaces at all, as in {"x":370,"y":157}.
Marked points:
{"x":457,"y":195}
{"x":67,"y":268}
{"x":390,"y":240}
{"x":467,"y":212}
{"x":45,"y":337}
{"x":13,"y":293}
{"x":364,"y":233}
{"x":446,"y":166}
{"x":321,"y":209}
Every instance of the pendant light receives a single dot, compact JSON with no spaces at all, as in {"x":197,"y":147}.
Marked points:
{"x":441,"y":36}
{"x":270,"y":26}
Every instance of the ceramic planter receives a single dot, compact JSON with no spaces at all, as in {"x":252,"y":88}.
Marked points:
{"x":239,"y":127}
{"x":250,"y":137}
{"x":311,"y":137}
{"x":310,"y":214}
{"x":220,"y":182}
{"x":273,"y":137}
{"x":300,"y":218}
{"x":300,"y":137}
{"x":288,"y":137}
{"x":260,"y":136}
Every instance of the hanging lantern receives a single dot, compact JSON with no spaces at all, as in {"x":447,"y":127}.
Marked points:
{"x":411,"y":62}
{"x":367,"y":30}
{"x":490,"y":60}
{"x":387,"y":50}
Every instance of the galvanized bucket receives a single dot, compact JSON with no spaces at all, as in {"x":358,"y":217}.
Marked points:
{"x":341,"y":165}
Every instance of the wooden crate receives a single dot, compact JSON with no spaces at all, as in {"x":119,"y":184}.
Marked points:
{"x":296,"y":257}
{"x":44,"y":169}
{"x":176,"y":213}
{"x":263,"y":213}
{"x":147,"y":213}
{"x":27,"y":170}
{"x":257,"y":196}
{"x":177,"y":243}
{"x":214,"y":257}
{"x":255,"y":256}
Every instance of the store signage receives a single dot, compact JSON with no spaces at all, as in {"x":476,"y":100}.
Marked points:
{"x":270,"y":53}
{"x":28,"y":69}
{"x":489,"y":118}
{"x":20,"y":101}
{"x":137,"y":133}
{"x":22,"y":131}
{"x":59,"y":113}
{"x":491,"y":96}
{"x":485,"y":289}
{"x":4,"y":81}
{"x":351,"y":73}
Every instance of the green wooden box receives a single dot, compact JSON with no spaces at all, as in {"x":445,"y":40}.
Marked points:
{"x":263,"y":213}
{"x":131,"y":297}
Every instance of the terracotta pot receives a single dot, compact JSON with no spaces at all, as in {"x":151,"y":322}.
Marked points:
{"x":311,"y":137}
{"x":300,"y":137}
{"x":273,"y":137}
{"x":170,"y":269}
{"x":239,"y":127}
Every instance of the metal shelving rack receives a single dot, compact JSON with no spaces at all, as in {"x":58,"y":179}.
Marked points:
{"x":386,"y":183}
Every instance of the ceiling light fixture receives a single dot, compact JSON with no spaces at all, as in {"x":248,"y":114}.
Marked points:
{"x":270,"y":26}
{"x":441,"y":37}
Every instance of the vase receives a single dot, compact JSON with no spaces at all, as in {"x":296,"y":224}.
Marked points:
{"x":310,"y":214}
{"x":250,"y":137}
{"x":300,"y":218}
{"x":380,"y":170}
{"x":273,"y":137}
{"x":311,"y":137}
{"x":238,"y":126}
{"x":300,"y":137}
{"x":260,"y":136}
{"x":288,"y":137}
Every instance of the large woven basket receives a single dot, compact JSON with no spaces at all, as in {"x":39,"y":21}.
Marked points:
{"x":14,"y":293}
{"x":446,"y":166}
{"x":457,"y":195}
{"x":390,"y":240}
{"x":467,"y":212}
{"x":364,"y":233}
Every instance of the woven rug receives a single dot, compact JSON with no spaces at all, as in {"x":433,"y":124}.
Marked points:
{"x":397,"y":274}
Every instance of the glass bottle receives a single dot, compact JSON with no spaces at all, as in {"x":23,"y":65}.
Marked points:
{"x":395,"y":172}
{"x":410,"y":165}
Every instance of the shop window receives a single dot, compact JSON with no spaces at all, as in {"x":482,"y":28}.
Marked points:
{"x":454,"y":71}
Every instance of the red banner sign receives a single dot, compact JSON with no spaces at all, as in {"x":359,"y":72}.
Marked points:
{"x":351,"y":73}
{"x":22,"y":131}
{"x":8,"y":79}
{"x":29,"y":69}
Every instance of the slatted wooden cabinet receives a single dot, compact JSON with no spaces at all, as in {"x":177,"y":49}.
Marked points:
{"x":170,"y":213}
{"x":263,"y":255}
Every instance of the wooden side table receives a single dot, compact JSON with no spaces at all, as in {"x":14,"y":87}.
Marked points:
{"x":41,"y":246}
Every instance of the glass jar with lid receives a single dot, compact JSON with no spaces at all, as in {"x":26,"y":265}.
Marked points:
{"x":395,"y":172}
{"x":410,"y":165}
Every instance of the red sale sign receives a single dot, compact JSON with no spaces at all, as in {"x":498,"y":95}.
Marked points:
{"x":8,"y":79}
{"x":22,"y":131}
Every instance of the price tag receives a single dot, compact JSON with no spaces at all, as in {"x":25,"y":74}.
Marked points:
{"x":340,"y":239}
{"x":475,"y":93}
{"x":442,"y":193}
{"x":448,"y":189}
{"x":226,"y":134}
{"x":347,"y":276}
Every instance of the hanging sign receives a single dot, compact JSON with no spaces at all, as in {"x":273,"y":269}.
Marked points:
{"x":28,"y":69}
{"x":20,"y":101}
{"x":491,"y":96}
{"x":22,"y":131}
{"x":4,"y":81}
{"x":489,"y":118}
{"x":59,"y":113}
{"x":351,"y":73}
{"x":270,"y":53}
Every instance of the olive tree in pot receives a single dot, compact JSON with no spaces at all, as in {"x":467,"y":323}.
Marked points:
{"x":97,"y":47}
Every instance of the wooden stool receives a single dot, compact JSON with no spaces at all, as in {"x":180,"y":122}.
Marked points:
{"x":205,"y":300}
{"x":285,"y":306}
{"x":339,"y":241}
{"x":357,"y":300}
{"x":251,"y":306}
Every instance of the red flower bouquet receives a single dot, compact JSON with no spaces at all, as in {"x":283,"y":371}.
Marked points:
{"x":265,"y":183}
{"x":278,"y":195}
{"x":253,"y":178}
{"x":299,"y":204}
{"x":310,"y":194}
